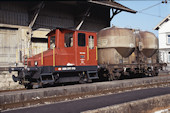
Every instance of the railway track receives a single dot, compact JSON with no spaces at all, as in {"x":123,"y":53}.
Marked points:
{"x":85,"y":92}
{"x":11,"y":90}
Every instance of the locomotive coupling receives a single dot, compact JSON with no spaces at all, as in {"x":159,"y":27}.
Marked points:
{"x":22,"y":68}
{"x":15,"y":69}
{"x":21,"y":72}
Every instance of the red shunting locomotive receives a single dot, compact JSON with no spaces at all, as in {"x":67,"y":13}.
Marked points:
{"x":71,"y":56}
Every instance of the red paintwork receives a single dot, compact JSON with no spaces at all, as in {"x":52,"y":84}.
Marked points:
{"x":64,"y":55}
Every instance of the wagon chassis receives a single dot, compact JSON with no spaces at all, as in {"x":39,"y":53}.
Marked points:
{"x":116,"y":71}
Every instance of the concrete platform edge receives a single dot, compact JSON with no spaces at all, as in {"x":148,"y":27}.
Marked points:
{"x":141,"y":106}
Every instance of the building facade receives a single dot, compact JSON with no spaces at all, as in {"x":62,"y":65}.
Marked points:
{"x":164,"y":39}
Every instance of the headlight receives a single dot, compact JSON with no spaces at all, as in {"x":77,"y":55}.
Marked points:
{"x":35,"y":63}
{"x":16,"y":64}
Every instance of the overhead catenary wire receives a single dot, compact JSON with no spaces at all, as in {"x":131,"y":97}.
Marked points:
{"x":150,"y":7}
{"x":151,"y":15}
{"x":141,"y":11}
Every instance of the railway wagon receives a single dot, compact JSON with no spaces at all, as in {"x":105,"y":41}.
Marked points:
{"x":82,"y":56}
{"x":127,"y":52}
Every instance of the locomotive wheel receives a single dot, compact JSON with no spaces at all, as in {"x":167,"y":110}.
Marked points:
{"x":81,"y":81}
{"x":28,"y":86}
{"x":83,"y":78}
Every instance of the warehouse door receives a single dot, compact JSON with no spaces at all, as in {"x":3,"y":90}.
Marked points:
{"x":8,"y":47}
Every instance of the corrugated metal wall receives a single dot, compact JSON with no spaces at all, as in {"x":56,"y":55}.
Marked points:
{"x":54,"y":15}
{"x":13,"y":13}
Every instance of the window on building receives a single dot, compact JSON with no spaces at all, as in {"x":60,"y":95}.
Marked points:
{"x":168,"y":56}
{"x":168,"y":39}
{"x":52,"y":42}
{"x":81,"y":39}
{"x":68,"y":40}
{"x":91,"y":42}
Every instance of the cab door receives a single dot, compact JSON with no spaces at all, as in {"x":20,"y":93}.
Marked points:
{"x":91,"y":49}
{"x":86,"y":54}
{"x":81,"y":50}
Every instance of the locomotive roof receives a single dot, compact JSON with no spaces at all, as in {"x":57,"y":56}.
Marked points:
{"x":61,"y":29}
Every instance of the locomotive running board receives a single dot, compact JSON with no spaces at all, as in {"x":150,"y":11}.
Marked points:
{"x":92,"y":74}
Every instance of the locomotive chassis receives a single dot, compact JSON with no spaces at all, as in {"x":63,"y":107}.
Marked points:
{"x":35,"y":77}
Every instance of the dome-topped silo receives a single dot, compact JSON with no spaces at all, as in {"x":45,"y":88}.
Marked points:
{"x":149,"y":43}
{"x":122,"y":39}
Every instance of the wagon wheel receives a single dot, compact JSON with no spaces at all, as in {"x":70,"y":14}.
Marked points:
{"x":117,"y":75}
{"x":111,"y":77}
{"x":154,"y":73}
{"x":114,"y":76}
{"x":103,"y":74}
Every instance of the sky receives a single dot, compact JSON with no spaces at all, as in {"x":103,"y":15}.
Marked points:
{"x":150,"y":13}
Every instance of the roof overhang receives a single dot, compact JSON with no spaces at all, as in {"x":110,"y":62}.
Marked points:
{"x":112,"y":4}
{"x":163,"y":21}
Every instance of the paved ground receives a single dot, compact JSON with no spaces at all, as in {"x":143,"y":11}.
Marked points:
{"x":92,"y":103}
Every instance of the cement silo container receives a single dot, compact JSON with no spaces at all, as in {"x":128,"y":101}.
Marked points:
{"x":115,"y":40}
{"x":122,"y":39}
{"x":148,"y":42}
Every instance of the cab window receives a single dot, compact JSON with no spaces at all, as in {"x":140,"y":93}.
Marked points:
{"x":91,"y":42}
{"x":81,"y":39}
{"x":52,"y":42}
{"x":68,"y":40}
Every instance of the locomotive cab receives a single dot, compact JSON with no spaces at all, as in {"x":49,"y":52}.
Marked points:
{"x":71,"y":57}
{"x":73,"y":48}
